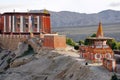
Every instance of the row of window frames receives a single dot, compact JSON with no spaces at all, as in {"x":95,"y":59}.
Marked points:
{"x":100,"y":46}
{"x":26,"y":25}
{"x":26,"y":20}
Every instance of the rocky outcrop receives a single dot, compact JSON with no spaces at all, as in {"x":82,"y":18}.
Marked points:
{"x":21,"y":61}
{"x":5,"y":58}
{"x":16,"y":46}
{"x":55,"y":65}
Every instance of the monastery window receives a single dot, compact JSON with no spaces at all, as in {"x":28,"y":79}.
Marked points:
{"x":26,"y":25}
{"x":108,"y":55}
{"x":99,"y":46}
{"x":18,"y":25}
{"x":98,"y":56}
{"x":18,"y":20}
{"x":99,"y":43}
{"x":105,"y":46}
{"x":35,"y":25}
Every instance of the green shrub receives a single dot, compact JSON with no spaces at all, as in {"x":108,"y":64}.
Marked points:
{"x":93,"y":35}
{"x":69,"y":41}
{"x":81,"y":42}
{"x":114,"y":44}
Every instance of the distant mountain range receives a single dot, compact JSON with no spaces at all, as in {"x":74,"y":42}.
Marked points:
{"x":70,"y":19}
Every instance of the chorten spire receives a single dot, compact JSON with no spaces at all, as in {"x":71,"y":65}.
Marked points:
{"x":100,"y":31}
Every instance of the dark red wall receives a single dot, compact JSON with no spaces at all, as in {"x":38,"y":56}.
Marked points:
{"x":1,"y":23}
{"x":46,"y":24}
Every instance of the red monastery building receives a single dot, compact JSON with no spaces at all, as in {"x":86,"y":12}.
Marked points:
{"x":24,"y":22}
{"x":97,"y":49}
{"x":28,"y":25}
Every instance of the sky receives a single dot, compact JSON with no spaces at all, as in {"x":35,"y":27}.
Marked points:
{"x":81,"y":6}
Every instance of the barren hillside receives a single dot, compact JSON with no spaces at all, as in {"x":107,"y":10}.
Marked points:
{"x":56,"y":65}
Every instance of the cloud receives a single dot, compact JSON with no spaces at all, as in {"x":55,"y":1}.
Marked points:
{"x":115,"y":4}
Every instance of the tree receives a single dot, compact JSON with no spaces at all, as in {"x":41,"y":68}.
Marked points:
{"x":86,"y":42}
{"x":45,"y":11}
{"x":81,"y":42}
{"x":93,"y":35}
{"x":113,"y":44}
{"x":69,"y":41}
{"x":109,"y":42}
{"x":118,"y":45}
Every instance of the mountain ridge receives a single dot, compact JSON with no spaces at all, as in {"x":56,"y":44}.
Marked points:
{"x":71,"y":19}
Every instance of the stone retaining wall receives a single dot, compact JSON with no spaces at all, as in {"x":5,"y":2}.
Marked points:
{"x":11,"y":41}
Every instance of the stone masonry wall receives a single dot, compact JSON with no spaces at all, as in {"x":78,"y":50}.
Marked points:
{"x":10,"y":42}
